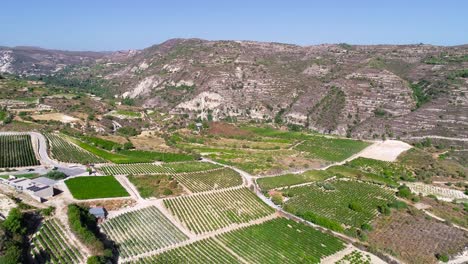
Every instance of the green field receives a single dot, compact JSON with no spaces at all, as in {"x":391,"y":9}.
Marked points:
{"x":347,"y":202}
{"x":269,"y":183}
{"x":93,"y":187}
{"x":331,"y":149}
{"x":17,"y":151}
{"x":353,"y":173}
{"x":281,"y":241}
{"x":388,"y":170}
{"x":269,"y":151}
{"x":102,"y":148}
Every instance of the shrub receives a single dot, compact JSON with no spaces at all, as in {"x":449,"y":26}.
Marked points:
{"x":355,"y":207}
{"x":398,"y":205}
{"x":167,"y":192}
{"x":322,"y":221}
{"x":56,"y":175}
{"x":127,"y":131}
{"x":404,"y":191}
{"x":442,"y":257}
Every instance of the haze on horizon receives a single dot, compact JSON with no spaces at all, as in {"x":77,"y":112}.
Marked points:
{"x":118,"y":25}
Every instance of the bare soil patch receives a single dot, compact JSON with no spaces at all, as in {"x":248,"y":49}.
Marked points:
{"x":111,"y":205}
{"x":227,"y":130}
{"x":56,"y":117}
{"x":387,"y":150}
{"x":149,"y":141}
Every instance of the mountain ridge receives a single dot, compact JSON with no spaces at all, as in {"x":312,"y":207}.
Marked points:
{"x":356,"y":90}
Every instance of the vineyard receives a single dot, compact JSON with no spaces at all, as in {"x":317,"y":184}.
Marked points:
{"x":49,"y":245}
{"x":135,"y":169}
{"x":440,"y":192}
{"x":414,"y":237}
{"x":193,"y":166}
{"x":211,"y":211}
{"x":65,"y":151}
{"x":141,"y":231}
{"x":93,"y":187}
{"x":269,"y":183}
{"x":17,"y":151}
{"x":211,"y":180}
{"x":149,"y":168}
{"x":281,"y":241}
{"x":348,"y":202}
{"x":331,"y":149}
{"x":203,"y":251}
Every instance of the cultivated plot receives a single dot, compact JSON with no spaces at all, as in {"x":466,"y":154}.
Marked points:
{"x":203,"y":251}
{"x":93,"y":187}
{"x":142,"y":231}
{"x":348,"y":202}
{"x":50,"y":245}
{"x":65,"y":151}
{"x":281,"y":241}
{"x":210,"y":211}
{"x":211,"y":180}
{"x":17,"y":151}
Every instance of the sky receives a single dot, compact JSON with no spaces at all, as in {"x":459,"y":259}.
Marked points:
{"x":105,"y":25}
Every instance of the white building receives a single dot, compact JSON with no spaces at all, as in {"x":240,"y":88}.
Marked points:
{"x":40,"y":188}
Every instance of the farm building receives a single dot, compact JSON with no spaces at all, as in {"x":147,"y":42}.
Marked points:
{"x":40,"y":188}
{"x":98,"y":212}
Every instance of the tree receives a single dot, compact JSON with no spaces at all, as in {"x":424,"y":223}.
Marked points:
{"x":127,"y":131}
{"x":14,"y":222}
{"x":128,"y":145}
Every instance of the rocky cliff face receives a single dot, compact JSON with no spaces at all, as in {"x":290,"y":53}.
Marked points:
{"x":362,"y":91}
{"x":27,"y":61}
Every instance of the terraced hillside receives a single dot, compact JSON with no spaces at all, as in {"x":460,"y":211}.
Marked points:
{"x":359,"y":90}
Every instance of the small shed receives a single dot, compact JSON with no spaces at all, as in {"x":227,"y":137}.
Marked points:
{"x":99,"y":212}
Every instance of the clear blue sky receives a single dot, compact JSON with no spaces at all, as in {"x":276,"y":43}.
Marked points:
{"x":114,"y":25}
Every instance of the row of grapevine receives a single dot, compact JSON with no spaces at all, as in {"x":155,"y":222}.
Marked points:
{"x":65,"y":151}
{"x":150,"y":168}
{"x":440,"y":192}
{"x":141,"y":231}
{"x":203,"y":251}
{"x":50,"y":245}
{"x":211,"y":180}
{"x":135,"y":169}
{"x":281,"y":241}
{"x":349,"y":202}
{"x":211,"y":211}
{"x":17,"y":151}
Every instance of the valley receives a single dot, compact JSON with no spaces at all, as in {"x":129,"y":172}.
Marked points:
{"x":195,"y":151}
